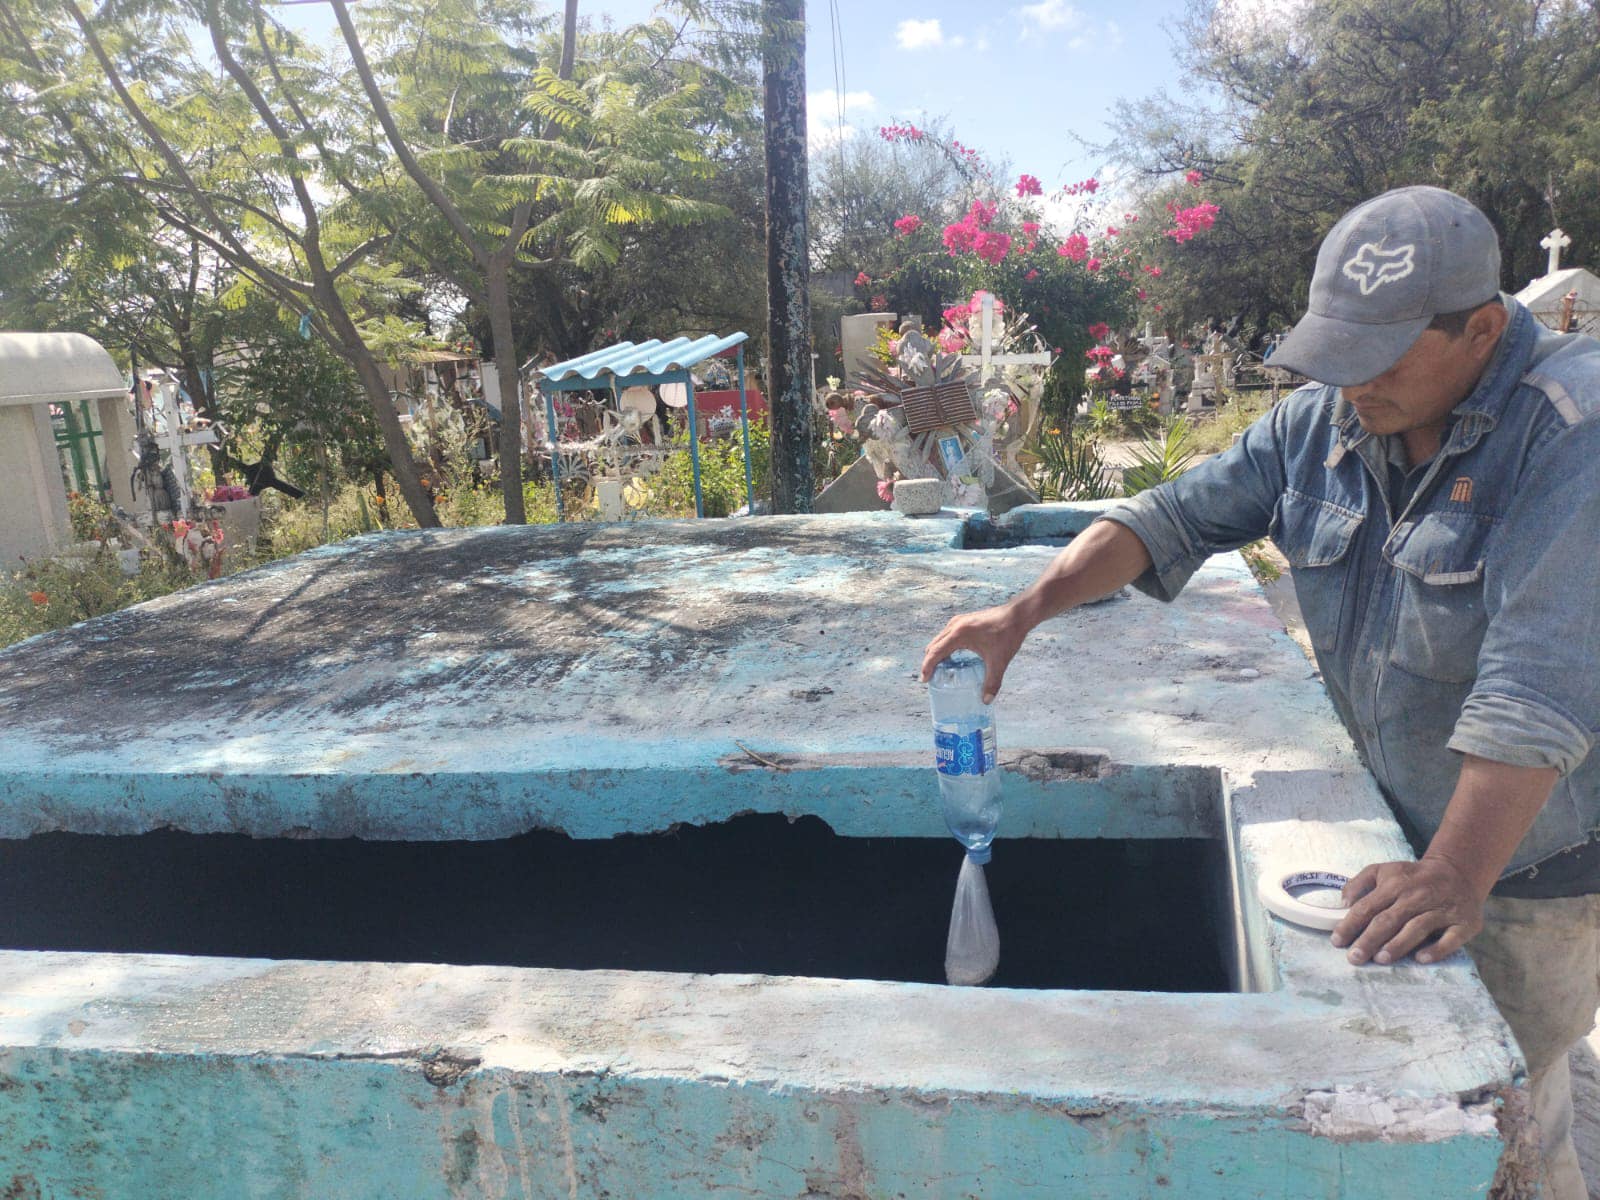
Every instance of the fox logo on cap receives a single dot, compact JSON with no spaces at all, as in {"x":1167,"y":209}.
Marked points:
{"x":1373,"y":266}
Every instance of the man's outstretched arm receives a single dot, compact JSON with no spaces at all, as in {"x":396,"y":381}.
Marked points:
{"x":1095,"y":563}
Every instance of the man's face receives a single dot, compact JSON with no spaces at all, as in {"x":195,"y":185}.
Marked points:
{"x":1431,"y":378}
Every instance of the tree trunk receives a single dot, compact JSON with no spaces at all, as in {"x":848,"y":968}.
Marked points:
{"x":401,"y":464}
{"x":788,"y":263}
{"x":505,"y":365}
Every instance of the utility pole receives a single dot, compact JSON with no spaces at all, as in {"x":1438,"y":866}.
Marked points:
{"x":788,"y":261}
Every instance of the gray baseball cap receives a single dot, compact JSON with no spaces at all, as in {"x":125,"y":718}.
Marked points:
{"x":1384,"y":272}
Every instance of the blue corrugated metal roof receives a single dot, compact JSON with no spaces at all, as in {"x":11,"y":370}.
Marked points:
{"x":654,"y":357}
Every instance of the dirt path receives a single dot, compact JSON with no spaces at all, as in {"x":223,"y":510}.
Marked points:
{"x":1585,"y":1058}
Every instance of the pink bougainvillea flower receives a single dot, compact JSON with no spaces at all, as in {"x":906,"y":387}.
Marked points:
{"x":1189,"y":221}
{"x":959,"y":237}
{"x":983,"y":212}
{"x":1153,"y":271}
{"x":1092,"y":265}
{"x":1075,"y":247}
{"x":908,"y":224}
{"x":1100,"y":354}
{"x":975,"y":304}
{"x":1031,"y":276}
{"x":1111,"y":231}
{"x":1099,"y":331}
{"x":992,"y":247}
{"x":1091,"y":186}
{"x":1193,"y":178}
{"x":1141,"y":293}
{"x":1031,"y":228}
{"x":863,"y":279}
{"x":1027,"y":185}
{"x":880,"y":303}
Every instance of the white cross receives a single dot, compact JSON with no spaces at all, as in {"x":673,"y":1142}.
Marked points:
{"x":1555,"y":241}
{"x":987,"y":359}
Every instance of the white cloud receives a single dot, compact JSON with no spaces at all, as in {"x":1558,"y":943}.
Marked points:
{"x":823,"y":128}
{"x":982,"y":44}
{"x":825,"y":135}
{"x":920,"y":35}
{"x":826,"y":103}
{"x":958,"y":41}
{"x":1050,"y":15}
{"x":1113,"y":35}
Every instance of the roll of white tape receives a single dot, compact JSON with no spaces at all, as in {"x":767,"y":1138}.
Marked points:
{"x":1277,"y":895}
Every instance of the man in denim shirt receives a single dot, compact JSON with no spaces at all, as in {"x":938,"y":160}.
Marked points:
{"x":1438,"y":496}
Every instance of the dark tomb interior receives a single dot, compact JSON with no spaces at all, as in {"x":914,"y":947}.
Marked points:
{"x":757,"y":894}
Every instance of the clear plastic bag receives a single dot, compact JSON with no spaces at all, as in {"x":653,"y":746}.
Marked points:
{"x":972,"y":951}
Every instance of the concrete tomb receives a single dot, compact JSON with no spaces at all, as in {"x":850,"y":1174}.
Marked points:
{"x":38,"y":370}
{"x":606,"y":860}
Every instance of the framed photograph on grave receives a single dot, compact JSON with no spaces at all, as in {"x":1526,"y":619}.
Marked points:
{"x":953,"y":455}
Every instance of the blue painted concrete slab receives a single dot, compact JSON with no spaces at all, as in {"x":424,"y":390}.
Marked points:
{"x":606,"y":679}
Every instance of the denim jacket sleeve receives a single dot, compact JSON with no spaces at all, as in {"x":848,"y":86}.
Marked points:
{"x":1536,"y":698}
{"x":1222,"y":504}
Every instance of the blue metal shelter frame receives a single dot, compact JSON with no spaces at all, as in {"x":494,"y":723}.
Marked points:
{"x":645,"y":364}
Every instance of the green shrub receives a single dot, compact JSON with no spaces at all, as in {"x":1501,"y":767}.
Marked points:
{"x":670,"y":491}
{"x":1236,"y":414}
{"x":1160,"y":457}
{"x":54,"y":593}
{"x":1071,"y":468}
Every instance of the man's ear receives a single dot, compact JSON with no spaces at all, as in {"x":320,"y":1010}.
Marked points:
{"x":1485,"y":326}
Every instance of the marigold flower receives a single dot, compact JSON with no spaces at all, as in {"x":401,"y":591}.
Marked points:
{"x":39,"y":598}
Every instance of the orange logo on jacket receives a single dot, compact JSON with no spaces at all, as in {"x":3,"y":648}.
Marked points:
{"x":1461,"y":493}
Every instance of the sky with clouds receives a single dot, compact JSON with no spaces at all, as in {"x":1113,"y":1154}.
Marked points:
{"x":1029,"y":82}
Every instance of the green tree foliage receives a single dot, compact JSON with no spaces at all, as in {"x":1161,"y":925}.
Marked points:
{"x":301,"y":403}
{"x":651,"y":218}
{"x":1327,"y":103}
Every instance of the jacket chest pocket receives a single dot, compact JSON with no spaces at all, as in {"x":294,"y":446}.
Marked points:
{"x":1315,"y":536}
{"x":1439,"y":617}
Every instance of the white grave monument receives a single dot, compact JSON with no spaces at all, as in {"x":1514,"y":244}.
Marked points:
{"x":1564,"y":298}
{"x":36,"y":371}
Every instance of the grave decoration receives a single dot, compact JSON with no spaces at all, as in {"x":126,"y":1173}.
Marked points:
{"x":927,"y":410}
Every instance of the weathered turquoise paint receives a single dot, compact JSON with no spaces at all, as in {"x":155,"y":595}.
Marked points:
{"x":289,"y":1128}
{"x":601,"y":680}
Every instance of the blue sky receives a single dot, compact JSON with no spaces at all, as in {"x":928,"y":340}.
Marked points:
{"x":1023,"y":80}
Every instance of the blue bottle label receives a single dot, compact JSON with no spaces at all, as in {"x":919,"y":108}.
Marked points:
{"x":963,"y":753}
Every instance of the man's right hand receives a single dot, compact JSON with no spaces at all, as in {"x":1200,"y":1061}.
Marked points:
{"x":993,"y":634}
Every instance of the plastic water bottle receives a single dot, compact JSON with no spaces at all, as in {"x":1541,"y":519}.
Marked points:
{"x":964,"y":751}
